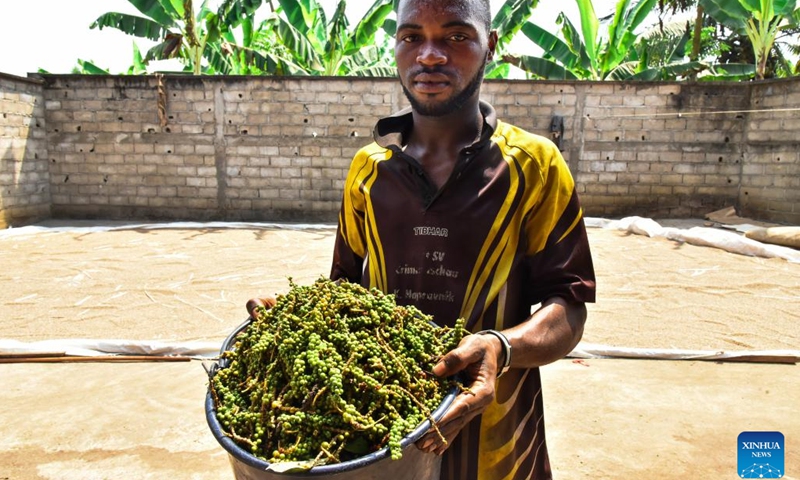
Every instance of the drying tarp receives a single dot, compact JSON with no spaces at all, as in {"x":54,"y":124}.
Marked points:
{"x":209,"y":350}
{"x":709,"y":237}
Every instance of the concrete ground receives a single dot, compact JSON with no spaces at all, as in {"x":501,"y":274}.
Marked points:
{"x":606,"y":418}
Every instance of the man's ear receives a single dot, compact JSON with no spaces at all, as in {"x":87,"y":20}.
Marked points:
{"x":492,"y":43}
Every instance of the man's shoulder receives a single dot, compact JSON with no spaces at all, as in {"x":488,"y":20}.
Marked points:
{"x":534,"y":145}
{"x":371,"y":152}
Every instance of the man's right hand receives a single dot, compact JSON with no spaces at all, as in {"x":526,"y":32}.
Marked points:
{"x":254,"y":303}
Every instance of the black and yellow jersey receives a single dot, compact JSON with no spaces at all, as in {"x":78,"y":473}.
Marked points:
{"x":504,"y":233}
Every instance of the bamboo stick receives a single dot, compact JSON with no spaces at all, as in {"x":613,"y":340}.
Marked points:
{"x":35,"y":358}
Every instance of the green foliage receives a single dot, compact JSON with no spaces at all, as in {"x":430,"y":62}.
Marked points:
{"x":620,"y":53}
{"x":660,"y":53}
{"x":317,"y":46}
{"x":173,"y":23}
{"x":295,"y":39}
{"x":760,"y":20}
{"x":507,"y":22}
{"x":584,"y":53}
{"x":87,"y":67}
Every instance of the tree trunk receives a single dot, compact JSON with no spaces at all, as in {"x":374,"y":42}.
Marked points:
{"x":698,"y":31}
{"x":696,"y":39}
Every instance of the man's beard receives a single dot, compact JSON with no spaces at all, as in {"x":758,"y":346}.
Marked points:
{"x":450,"y":105}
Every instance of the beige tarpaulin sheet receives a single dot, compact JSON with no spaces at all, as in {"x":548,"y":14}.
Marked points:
{"x":160,"y":288}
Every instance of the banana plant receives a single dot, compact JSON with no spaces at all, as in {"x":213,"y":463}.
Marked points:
{"x":173,"y":23}
{"x":320,"y":47}
{"x":760,"y":20}
{"x":87,"y":67}
{"x":660,"y":54}
{"x":258,"y":50}
{"x":584,"y":54}
{"x":507,"y":23}
{"x":139,"y":66}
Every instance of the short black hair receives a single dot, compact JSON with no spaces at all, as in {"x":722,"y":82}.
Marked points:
{"x":485,"y":13}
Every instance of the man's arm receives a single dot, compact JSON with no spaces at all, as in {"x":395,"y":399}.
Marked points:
{"x":547,"y":335}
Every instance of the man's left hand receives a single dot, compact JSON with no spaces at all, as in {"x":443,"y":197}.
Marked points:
{"x":477,"y":358}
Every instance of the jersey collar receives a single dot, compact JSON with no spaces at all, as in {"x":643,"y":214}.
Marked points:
{"x":389,"y":131}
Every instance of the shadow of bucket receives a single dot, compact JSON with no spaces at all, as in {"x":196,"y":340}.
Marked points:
{"x":414,"y":465}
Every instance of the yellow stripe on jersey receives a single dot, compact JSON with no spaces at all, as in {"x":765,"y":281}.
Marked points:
{"x":362,"y":175}
{"x":482,"y":268}
{"x":524,"y":455}
{"x":491,"y":417}
{"x":572,"y":226}
{"x":526,"y":163}
{"x":530,"y":168}
{"x":558,"y":187}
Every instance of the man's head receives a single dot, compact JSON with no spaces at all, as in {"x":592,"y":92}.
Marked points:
{"x":441,"y":49}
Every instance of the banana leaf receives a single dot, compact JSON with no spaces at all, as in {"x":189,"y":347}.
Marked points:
{"x":369,"y":25}
{"x":390,"y":27}
{"x":132,"y":25}
{"x":510,"y":19}
{"x":336,"y":38}
{"x":139,"y":66}
{"x":498,"y":69}
{"x":730,"y":13}
{"x":87,"y":67}
{"x":383,"y":70}
{"x":589,"y":25}
{"x":162,"y":12}
{"x":174,"y":8}
{"x":243,"y":60}
{"x":234,"y":12}
{"x":308,"y":17}
{"x":169,"y":48}
{"x":577,"y":46}
{"x":622,"y":34}
{"x":721,"y":71}
{"x":544,"y":68}
{"x":552,"y":45}
{"x":664,"y":72}
{"x":302,"y":49}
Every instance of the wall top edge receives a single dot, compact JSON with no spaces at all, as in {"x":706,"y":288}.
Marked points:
{"x":190,"y":77}
{"x":35,"y":80}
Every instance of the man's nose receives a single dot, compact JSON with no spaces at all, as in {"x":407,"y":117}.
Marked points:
{"x":431,"y":53}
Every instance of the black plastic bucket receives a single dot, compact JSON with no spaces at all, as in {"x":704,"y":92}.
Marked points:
{"x":414,"y":465}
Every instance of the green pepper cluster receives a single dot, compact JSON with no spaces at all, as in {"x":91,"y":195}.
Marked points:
{"x":332,"y":372}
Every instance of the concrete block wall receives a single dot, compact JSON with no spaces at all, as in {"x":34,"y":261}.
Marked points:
{"x":770,"y":183}
{"x":654,"y":149}
{"x":24,"y":174}
{"x":271,"y":148}
{"x":231,"y":148}
{"x":112,"y":158}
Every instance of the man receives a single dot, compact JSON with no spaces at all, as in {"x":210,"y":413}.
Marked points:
{"x":463,"y":215}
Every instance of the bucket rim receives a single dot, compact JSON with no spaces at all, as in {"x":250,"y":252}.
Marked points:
{"x":242,"y":455}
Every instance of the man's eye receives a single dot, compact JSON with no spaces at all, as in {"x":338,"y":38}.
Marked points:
{"x":458,"y":37}
{"x":408,"y":38}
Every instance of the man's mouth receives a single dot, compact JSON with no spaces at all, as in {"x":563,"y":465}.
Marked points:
{"x":430,"y":83}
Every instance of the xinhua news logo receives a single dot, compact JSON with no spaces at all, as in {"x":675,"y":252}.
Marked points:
{"x":761,"y":455}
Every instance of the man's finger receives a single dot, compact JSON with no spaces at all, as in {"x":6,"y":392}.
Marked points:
{"x":460,"y":413}
{"x":254,"y":303}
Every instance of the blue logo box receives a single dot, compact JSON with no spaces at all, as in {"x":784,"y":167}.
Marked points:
{"x":761,"y":455}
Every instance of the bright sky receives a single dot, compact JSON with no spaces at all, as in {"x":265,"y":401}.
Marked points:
{"x":54,"y":34}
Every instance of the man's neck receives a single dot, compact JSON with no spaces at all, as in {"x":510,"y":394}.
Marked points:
{"x":448,"y":132}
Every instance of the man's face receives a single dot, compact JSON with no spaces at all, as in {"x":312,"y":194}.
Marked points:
{"x":441,"y":51}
